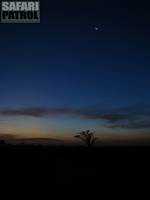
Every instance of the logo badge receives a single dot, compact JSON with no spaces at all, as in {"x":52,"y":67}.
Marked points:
{"x":20,"y":12}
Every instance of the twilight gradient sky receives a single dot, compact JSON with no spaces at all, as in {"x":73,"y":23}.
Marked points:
{"x":62,"y":76}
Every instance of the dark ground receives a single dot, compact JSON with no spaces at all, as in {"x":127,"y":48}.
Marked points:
{"x":75,"y":165}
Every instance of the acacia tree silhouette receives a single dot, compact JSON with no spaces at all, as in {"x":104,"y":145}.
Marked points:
{"x":87,"y":137}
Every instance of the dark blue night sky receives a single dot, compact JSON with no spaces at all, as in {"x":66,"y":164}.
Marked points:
{"x":64,"y":75}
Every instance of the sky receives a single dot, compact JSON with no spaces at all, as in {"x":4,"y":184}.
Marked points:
{"x":85,"y":66}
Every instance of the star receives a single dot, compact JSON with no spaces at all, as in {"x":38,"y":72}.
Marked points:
{"x":97,"y":28}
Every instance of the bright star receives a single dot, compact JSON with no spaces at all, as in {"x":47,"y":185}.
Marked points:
{"x":96,"y":28}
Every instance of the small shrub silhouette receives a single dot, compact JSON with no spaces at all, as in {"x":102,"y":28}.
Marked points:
{"x":2,"y":142}
{"x":87,"y":137}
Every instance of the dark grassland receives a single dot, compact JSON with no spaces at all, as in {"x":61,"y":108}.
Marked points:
{"x":74,"y":165}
